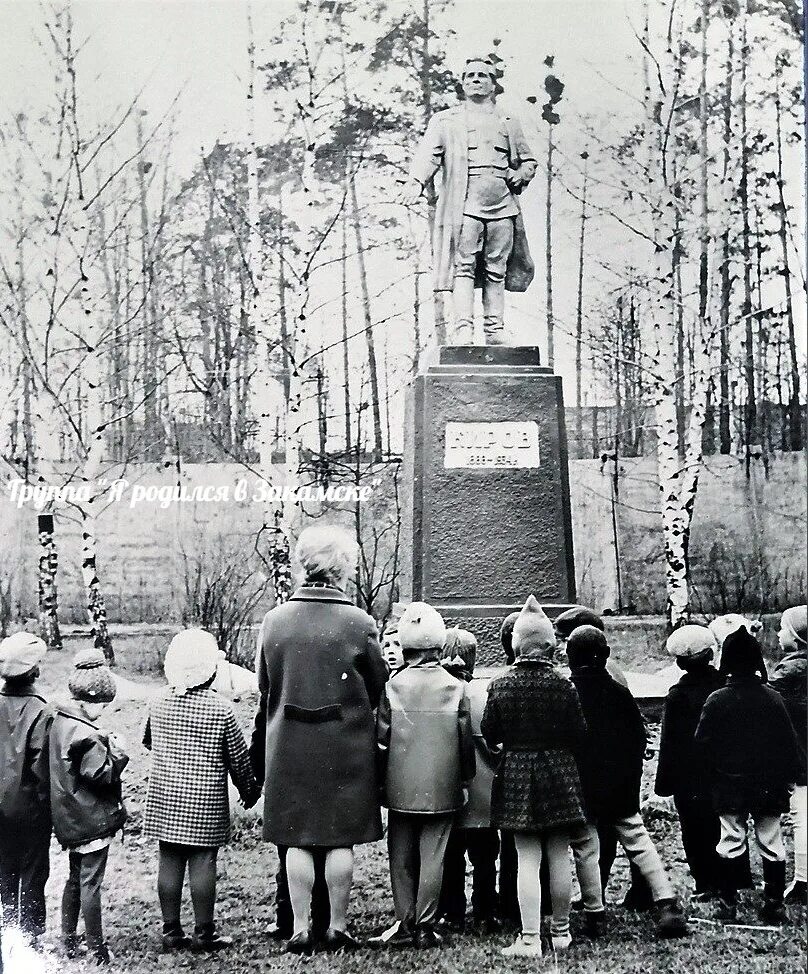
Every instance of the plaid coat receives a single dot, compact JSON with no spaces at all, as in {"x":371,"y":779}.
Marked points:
{"x":534,"y":713}
{"x":195,"y":743}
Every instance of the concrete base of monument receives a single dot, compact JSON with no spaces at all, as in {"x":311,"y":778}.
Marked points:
{"x":486,"y":505}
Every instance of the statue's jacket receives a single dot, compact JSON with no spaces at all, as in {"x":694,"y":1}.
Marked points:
{"x":444,"y":148}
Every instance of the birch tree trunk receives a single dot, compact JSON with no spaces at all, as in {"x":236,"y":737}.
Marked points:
{"x":794,"y":409}
{"x":48,"y":597}
{"x":78,"y":227}
{"x":660,"y":133}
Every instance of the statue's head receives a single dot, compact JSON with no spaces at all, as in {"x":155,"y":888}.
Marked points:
{"x":479,"y":79}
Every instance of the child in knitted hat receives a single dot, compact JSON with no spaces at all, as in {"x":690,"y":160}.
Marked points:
{"x":789,"y":680}
{"x":25,"y":826}
{"x":611,"y":771}
{"x":752,"y":754}
{"x":426,"y":753}
{"x":533,"y":714}
{"x":681,"y":772}
{"x":196,"y":743}
{"x":86,"y":764}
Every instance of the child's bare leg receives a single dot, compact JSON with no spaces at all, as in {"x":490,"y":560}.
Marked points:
{"x":300,"y":873}
{"x":528,"y":851}
{"x":339,"y":865}
{"x":557,"y":847}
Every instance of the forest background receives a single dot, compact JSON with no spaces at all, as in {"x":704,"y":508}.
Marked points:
{"x":206,"y":276}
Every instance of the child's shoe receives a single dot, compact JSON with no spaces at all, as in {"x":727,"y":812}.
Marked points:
{"x":427,"y":936}
{"x":560,"y":935}
{"x":206,"y":941}
{"x":174,"y":938}
{"x":671,"y":920}
{"x":73,"y":945}
{"x":102,"y":955}
{"x":525,"y":945}
{"x":400,"y":934}
{"x":335,"y":940}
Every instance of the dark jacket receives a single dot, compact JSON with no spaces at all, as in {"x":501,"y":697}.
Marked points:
{"x":25,"y":723}
{"x":749,"y":746}
{"x":681,"y":769}
{"x":534,"y":713}
{"x":85,"y":779}
{"x":423,"y":731}
{"x":790,"y":679}
{"x":320,"y":675}
{"x":610,"y":762}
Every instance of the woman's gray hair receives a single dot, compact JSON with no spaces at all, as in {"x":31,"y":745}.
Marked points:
{"x":326,"y":553}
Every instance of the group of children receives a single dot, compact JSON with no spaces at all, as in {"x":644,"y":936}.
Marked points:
{"x":61,"y":773}
{"x":515,"y":772}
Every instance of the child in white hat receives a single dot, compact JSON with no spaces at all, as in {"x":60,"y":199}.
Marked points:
{"x":25,"y":827}
{"x":196,"y":743}
{"x":681,"y":772}
{"x":427,"y":760}
{"x":86,"y":764}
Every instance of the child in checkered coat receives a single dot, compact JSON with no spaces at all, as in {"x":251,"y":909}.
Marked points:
{"x":195,"y":743}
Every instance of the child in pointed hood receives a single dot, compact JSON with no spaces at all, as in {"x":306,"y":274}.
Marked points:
{"x":533,"y":713}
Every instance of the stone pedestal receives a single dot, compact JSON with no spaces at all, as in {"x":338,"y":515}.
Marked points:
{"x":486,"y":489}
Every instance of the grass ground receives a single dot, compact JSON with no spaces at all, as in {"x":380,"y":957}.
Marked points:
{"x":246,"y":888}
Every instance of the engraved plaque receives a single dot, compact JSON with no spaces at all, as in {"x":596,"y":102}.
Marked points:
{"x":491,"y":445}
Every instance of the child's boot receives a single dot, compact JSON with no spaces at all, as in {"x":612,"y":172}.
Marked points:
{"x":594,"y":923}
{"x":774,"y":884}
{"x":732,"y":873}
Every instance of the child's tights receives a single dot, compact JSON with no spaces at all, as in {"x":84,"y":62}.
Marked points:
{"x":529,"y":851}
{"x":201,"y":862}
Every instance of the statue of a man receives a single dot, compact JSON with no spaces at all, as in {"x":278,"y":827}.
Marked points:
{"x":479,"y":237}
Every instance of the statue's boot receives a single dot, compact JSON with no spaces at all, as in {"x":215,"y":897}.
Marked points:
{"x":462,"y":330}
{"x":494,"y":313}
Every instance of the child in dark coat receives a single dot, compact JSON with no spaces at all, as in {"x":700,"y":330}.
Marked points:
{"x":25,"y":825}
{"x":681,"y":772}
{"x":789,"y":680}
{"x":638,"y":896}
{"x":472,"y":833}
{"x":426,"y":753}
{"x":86,"y":765}
{"x":611,"y":767}
{"x":750,"y":748}
{"x":534,"y":715}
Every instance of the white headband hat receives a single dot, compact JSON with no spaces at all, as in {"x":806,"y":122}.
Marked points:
{"x":20,"y":653}
{"x":192,"y":658}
